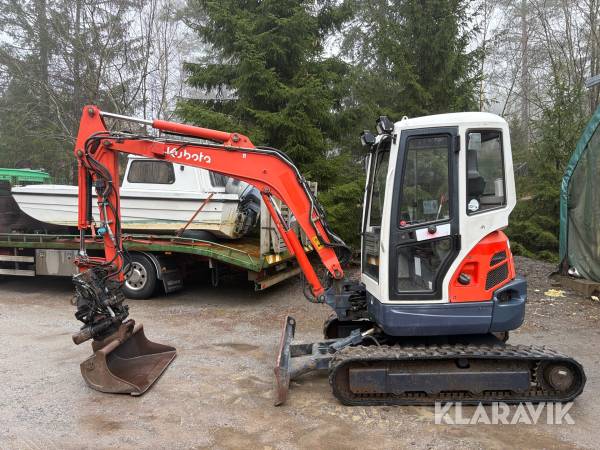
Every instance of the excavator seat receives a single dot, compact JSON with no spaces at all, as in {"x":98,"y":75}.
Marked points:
{"x":126,"y":362}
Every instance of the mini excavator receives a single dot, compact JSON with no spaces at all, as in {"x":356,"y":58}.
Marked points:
{"x":429,"y":318}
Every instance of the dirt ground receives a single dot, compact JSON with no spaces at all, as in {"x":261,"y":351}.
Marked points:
{"x":217,"y":393}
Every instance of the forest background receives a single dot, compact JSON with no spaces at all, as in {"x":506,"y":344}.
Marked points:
{"x":307,"y":77}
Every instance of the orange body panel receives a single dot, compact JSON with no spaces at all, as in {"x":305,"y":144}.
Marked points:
{"x":477,"y":266}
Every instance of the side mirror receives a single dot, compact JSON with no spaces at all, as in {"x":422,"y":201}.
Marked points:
{"x":367,"y":139}
{"x":384,"y":125}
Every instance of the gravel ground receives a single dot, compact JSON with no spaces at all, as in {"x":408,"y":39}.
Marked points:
{"x":217,"y":393}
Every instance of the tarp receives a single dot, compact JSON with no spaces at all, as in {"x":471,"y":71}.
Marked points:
{"x":580,"y":204}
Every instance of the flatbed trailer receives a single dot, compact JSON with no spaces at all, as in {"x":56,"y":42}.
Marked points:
{"x":157,"y":259}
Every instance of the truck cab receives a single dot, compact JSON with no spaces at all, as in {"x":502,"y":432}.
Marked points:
{"x":155,"y":175}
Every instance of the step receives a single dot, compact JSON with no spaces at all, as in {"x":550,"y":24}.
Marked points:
{"x":18,"y":272}
{"x":14,"y":258}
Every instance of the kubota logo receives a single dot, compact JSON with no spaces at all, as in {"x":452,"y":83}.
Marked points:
{"x":184,"y":153}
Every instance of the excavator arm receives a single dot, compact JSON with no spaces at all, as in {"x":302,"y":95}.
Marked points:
{"x":231,"y":154}
{"x":124,"y":360}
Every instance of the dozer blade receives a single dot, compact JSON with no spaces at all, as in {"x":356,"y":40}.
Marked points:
{"x":294,"y":360}
{"x":282,"y":364}
{"x":126,"y":364}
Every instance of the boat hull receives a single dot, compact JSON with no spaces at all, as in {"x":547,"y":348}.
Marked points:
{"x":140,"y":211}
{"x":12,"y":219}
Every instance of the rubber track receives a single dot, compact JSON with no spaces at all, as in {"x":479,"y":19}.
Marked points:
{"x":503,"y":353}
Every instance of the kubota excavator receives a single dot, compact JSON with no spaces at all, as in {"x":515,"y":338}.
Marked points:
{"x":429,"y":318}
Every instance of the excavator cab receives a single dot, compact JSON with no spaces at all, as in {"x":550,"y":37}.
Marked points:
{"x":440,"y":190}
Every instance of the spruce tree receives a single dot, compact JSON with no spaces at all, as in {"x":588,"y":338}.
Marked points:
{"x":414,"y":56}
{"x":265,"y":75}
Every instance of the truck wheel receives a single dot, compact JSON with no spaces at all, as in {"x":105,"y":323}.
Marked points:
{"x":140,"y":283}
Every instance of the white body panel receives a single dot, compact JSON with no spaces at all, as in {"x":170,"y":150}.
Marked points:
{"x":147,"y":206}
{"x":473,"y":228}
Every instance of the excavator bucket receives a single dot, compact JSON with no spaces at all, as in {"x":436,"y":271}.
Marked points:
{"x":127,"y":364}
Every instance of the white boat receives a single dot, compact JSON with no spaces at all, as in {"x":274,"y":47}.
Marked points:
{"x":157,"y":196}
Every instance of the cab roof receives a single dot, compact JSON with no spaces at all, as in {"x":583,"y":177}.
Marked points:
{"x":452,"y":119}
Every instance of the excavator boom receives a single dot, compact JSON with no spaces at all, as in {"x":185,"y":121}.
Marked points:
{"x":231,"y":154}
{"x":124,"y":360}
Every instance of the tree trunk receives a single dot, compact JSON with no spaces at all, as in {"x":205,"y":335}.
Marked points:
{"x":41,"y":22}
{"x":524,"y":74}
{"x":594,"y":44}
{"x":77,"y":88}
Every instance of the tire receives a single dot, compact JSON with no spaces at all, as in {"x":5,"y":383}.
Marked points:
{"x":141,"y":282}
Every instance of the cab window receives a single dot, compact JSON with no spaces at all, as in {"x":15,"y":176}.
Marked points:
{"x":372,"y":234}
{"x":378,"y":188}
{"x":151,"y":172}
{"x":485,"y":171}
{"x":425,"y":186}
{"x":218,"y":180}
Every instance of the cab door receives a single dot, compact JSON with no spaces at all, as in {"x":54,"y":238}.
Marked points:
{"x":424,"y":228}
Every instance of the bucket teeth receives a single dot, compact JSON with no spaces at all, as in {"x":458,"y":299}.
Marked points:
{"x":127,"y":362}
